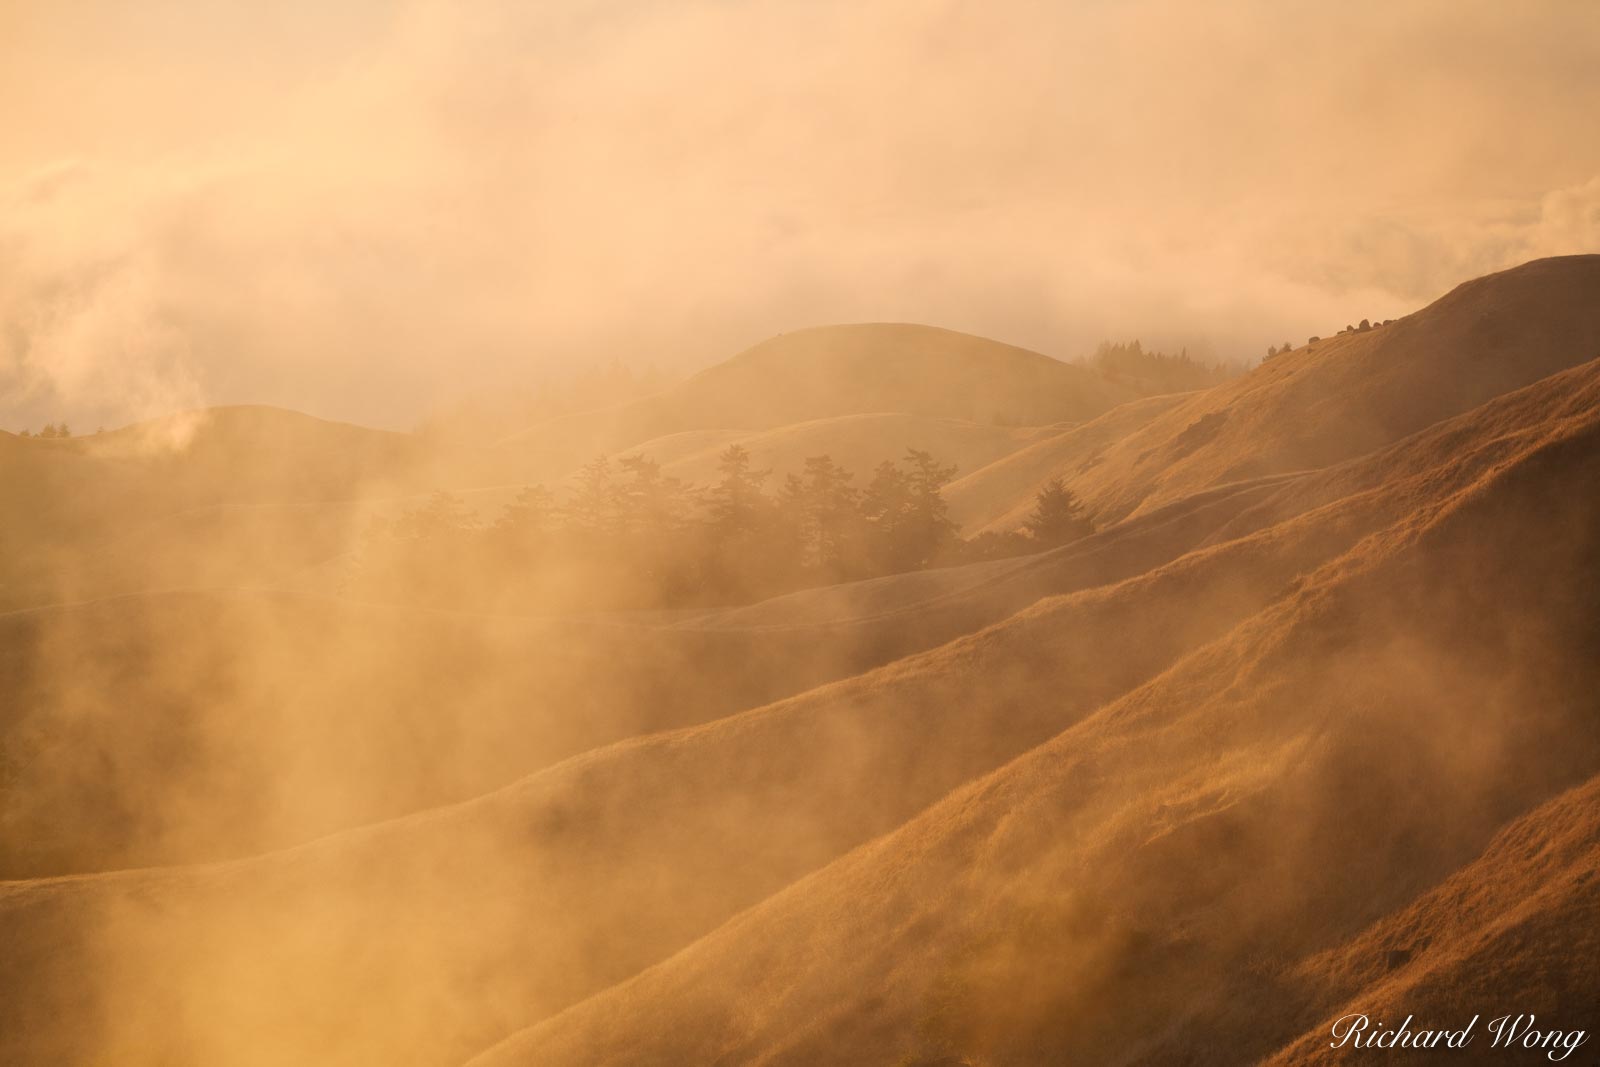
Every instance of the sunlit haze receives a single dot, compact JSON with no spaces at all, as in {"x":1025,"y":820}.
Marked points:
{"x":363,"y":209}
{"x":887,"y":533}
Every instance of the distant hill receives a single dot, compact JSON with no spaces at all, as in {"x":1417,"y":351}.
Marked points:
{"x":898,"y":367}
{"x":216,"y":495}
{"x":259,"y":495}
{"x":68,"y":498}
{"x":223,"y":455}
{"x":831,"y":371}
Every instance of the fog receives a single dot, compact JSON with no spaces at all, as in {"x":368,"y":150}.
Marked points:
{"x":369,"y":210}
{"x":889,"y":694}
{"x":1007,"y":810}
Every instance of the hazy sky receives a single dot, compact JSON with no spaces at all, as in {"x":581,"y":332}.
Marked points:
{"x":360,"y":209}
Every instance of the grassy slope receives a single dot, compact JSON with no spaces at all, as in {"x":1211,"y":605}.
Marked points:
{"x":306,"y":676}
{"x":505,"y":896}
{"x":1348,"y":395}
{"x":508,"y":916}
{"x":1000,"y":495}
{"x":1154,"y":882}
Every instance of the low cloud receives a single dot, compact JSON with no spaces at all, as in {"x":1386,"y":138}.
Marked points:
{"x":448,"y":199}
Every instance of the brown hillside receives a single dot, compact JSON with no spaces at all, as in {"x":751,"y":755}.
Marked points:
{"x":999,"y":496}
{"x":672,"y":821}
{"x":305,"y":671}
{"x":1520,"y":926}
{"x":1146,"y":887}
{"x":1349,"y":394}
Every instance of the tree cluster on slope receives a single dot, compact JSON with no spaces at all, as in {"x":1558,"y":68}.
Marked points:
{"x":1156,"y":372}
{"x":51,"y":430}
{"x":627,"y":535}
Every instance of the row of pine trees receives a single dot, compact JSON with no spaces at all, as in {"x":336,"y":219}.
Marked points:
{"x":50,"y":429}
{"x":628,"y":535}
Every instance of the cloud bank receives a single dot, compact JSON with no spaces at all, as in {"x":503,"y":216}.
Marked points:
{"x":363,"y":213}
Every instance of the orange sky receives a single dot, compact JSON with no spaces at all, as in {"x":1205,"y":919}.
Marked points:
{"x":358,"y":209}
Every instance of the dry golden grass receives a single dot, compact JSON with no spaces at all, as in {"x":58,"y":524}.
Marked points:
{"x":1171,"y":793}
{"x":1163,"y":880}
{"x":1349,"y":394}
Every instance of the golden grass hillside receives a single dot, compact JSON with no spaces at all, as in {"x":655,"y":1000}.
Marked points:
{"x":1165,"y":878}
{"x":1190,"y":779}
{"x":583,"y":875}
{"x":308,"y":677}
{"x":1333,"y":400}
{"x":999,"y":495}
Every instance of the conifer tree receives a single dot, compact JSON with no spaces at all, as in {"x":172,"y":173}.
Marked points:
{"x":1058,"y":516}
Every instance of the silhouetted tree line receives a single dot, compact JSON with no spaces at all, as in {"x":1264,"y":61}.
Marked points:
{"x":628,"y":535}
{"x":50,"y":429}
{"x":1155,"y":371}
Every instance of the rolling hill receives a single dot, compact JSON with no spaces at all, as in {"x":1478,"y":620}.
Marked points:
{"x":999,"y":495}
{"x":75,"y":499}
{"x":1160,"y":880}
{"x":1307,"y":726}
{"x":148,"y":649}
{"x":1329,"y":401}
{"x":263,"y":497}
{"x":831,"y":371}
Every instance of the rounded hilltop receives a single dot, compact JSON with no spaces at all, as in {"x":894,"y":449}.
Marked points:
{"x":858,"y":368}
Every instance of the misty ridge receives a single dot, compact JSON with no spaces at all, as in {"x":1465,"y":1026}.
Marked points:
{"x":631,"y":494}
{"x":652,"y":540}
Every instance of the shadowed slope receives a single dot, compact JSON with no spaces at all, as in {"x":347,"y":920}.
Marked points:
{"x":1517,"y":930}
